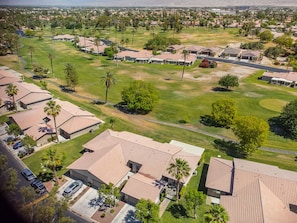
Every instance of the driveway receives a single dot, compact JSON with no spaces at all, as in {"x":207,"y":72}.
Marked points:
{"x":86,"y":205}
{"x":126,"y":215}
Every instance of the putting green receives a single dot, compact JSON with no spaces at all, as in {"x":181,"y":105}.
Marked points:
{"x":273,"y":104}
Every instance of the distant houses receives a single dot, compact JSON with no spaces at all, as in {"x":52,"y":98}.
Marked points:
{"x":72,"y":121}
{"x":172,"y":55}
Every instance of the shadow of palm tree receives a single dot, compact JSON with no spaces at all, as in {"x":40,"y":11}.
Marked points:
{"x":178,"y":210}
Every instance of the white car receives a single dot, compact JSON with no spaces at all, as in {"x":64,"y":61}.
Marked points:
{"x":72,"y":188}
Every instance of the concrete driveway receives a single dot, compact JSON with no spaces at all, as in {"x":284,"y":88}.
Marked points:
{"x":86,"y":205}
{"x":126,"y":215}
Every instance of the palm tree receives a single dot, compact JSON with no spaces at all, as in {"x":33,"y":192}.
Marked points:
{"x":216,"y":214}
{"x":51,"y":57}
{"x":31,"y":50}
{"x":97,"y":43}
{"x":12,"y":90}
{"x":50,"y":160}
{"x":185,"y":53}
{"x":178,"y":169}
{"x":54,"y":110}
{"x":108,"y":80}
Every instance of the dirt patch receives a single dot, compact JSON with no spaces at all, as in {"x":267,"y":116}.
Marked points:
{"x":108,"y":217}
{"x":50,"y":184}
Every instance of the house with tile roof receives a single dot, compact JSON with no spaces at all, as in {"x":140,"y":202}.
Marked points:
{"x":288,"y":79}
{"x":8,"y":76}
{"x":135,"y":163}
{"x":252,"y":192}
{"x":28,"y":94}
{"x":72,"y":121}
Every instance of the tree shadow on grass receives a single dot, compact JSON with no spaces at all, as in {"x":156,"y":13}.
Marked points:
{"x":178,"y":211}
{"x":275,"y":124}
{"x":231,"y":148}
{"x":221,"y":89}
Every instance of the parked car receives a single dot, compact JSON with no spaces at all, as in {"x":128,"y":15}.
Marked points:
{"x":38,"y":186}
{"x":72,"y":188}
{"x":17,"y":145}
{"x":28,"y":174}
{"x":9,"y":139}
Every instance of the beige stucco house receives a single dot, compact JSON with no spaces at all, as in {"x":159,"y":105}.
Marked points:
{"x":253,"y":192}
{"x":135,"y":163}
{"x":72,"y":121}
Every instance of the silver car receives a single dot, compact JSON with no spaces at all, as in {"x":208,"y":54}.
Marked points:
{"x":72,"y":188}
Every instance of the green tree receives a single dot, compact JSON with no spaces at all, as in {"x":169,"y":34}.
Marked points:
{"x":108,"y":80}
{"x":13,"y":129}
{"x":11,"y":91}
{"x":53,"y":160}
{"x":147,"y":211}
{"x":31,"y":51}
{"x":53,"y":109}
{"x":193,"y":199}
{"x":252,"y":133}
{"x":110,"y":192}
{"x":224,"y":112}
{"x":266,"y":36}
{"x":228,"y":81}
{"x":284,"y":41}
{"x":29,"y":143}
{"x":216,"y":214}
{"x":140,"y":96}
{"x":178,"y":169}
{"x":71,"y":76}
{"x":288,"y":119}
{"x":9,"y":177}
{"x":51,"y":57}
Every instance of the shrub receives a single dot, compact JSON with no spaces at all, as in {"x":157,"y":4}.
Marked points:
{"x":204,"y":63}
{"x":111,"y":211}
{"x":102,"y":215}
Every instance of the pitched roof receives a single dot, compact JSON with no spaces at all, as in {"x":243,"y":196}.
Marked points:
{"x":112,"y":151}
{"x":71,"y":119}
{"x":8,"y":76}
{"x":261,"y":192}
{"x":219,"y":174}
{"x":290,"y":76}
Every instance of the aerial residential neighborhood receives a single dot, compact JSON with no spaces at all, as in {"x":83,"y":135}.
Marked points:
{"x":112,"y":112}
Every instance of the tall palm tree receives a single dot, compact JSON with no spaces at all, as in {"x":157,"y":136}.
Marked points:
{"x":54,"y":110}
{"x":216,"y":214}
{"x":51,"y":58}
{"x":12,"y":90}
{"x":108,"y":80}
{"x":31,"y":50}
{"x":51,"y":159}
{"x":97,"y":43}
{"x":178,"y":169}
{"x":185,"y":54}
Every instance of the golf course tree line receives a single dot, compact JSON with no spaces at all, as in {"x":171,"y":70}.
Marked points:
{"x":251,"y":131}
{"x":51,"y":209}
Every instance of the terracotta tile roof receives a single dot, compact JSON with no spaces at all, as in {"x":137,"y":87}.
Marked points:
{"x":140,"y":186}
{"x":7,"y":77}
{"x":261,"y":192}
{"x":113,"y":150}
{"x":289,"y":76}
{"x":219,"y":174}
{"x":71,"y":119}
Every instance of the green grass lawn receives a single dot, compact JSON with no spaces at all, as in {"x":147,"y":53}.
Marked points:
{"x":181,"y":101}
